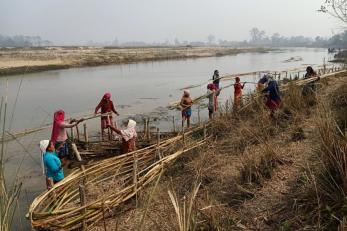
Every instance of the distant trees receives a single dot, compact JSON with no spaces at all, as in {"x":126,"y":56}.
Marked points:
{"x":23,"y":41}
{"x":211,"y":39}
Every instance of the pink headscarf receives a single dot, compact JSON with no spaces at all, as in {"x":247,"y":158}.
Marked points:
{"x":59,"y":117}
{"x":107,"y":95}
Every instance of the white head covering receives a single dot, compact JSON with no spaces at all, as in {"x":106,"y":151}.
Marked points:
{"x":131,"y":124}
{"x":186,"y":92}
{"x":43,"y":146}
{"x":130,"y":131}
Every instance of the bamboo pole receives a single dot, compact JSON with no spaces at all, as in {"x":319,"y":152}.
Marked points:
{"x":144,"y":127}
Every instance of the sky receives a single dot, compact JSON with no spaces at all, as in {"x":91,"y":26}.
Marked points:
{"x":79,"y":21}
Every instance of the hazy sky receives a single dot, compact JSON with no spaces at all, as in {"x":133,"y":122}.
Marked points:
{"x":78,"y":21}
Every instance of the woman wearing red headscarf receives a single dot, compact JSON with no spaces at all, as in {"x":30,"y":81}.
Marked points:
{"x":106,"y":106}
{"x":59,"y":134}
{"x":238,"y":92}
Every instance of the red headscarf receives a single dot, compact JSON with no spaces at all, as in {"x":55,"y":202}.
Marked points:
{"x":211,"y":86}
{"x":59,"y":117}
{"x":107,"y":95}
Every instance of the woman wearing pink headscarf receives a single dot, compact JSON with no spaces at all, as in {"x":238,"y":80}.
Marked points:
{"x":106,"y":105}
{"x":59,"y":134}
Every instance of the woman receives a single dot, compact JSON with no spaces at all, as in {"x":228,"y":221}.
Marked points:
{"x":310,"y":87}
{"x":106,"y":106}
{"x":211,"y":95}
{"x":272,"y":92}
{"x":238,"y":92}
{"x":216,"y":80}
{"x":128,"y":136}
{"x":59,"y":134}
{"x":52,"y":165}
{"x":186,"y":105}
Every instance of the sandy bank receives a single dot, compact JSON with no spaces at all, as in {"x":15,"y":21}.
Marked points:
{"x":26,"y":60}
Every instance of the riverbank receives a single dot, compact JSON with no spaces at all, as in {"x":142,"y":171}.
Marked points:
{"x":254,"y":175}
{"x":26,"y":60}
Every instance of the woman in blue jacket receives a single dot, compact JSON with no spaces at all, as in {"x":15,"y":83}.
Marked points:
{"x":51,"y":162}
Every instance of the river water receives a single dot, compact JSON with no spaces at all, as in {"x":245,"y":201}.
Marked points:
{"x":141,"y":88}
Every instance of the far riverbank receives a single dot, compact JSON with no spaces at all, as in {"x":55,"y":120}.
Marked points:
{"x":27,"y":60}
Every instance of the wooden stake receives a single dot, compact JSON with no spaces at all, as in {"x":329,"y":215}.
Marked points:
{"x":135,"y":176}
{"x":85,"y":133}
{"x":158,"y":144}
{"x":78,"y":133}
{"x":148,"y":131}
{"x":173,"y":124}
{"x":82,"y":191}
{"x":77,"y":155}
{"x":205,"y":131}
{"x":103,"y":213}
{"x":199,"y":114}
{"x":183,"y":138}
{"x":71,"y":134}
{"x":144,"y":127}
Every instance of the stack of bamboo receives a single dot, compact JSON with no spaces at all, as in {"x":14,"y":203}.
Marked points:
{"x":73,"y":202}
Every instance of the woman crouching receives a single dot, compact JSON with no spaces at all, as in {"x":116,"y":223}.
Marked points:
{"x":128,"y":136}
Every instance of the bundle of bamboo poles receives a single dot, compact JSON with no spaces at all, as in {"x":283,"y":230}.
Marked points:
{"x":70,"y":203}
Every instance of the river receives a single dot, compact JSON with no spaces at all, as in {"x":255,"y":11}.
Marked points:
{"x":141,"y":88}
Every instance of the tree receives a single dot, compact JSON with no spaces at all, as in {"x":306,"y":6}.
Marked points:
{"x":336,"y":8}
{"x":256,"y":35}
{"x":211,"y":39}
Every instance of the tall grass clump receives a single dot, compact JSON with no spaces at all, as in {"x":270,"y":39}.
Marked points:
{"x":185,"y":215}
{"x":325,"y":198}
{"x":8,"y":195}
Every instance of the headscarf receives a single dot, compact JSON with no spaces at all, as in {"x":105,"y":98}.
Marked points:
{"x":43,"y":146}
{"x":186,"y":92}
{"x":107,"y":95}
{"x":130,"y":131}
{"x":59,"y":117}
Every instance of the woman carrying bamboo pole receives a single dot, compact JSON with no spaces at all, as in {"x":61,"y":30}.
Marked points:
{"x":51,"y":163}
{"x":216,"y":80}
{"x":59,"y":134}
{"x":106,"y":106}
{"x":128,"y":136}
{"x":273,"y":97}
{"x":186,"y":107}
{"x":238,"y":92}
{"x":310,"y":87}
{"x":212,"y":98}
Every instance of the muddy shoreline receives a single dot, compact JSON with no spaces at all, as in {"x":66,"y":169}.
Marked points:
{"x":15,"y":61}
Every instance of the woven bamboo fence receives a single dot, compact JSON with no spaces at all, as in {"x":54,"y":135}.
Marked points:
{"x":107,"y":184}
